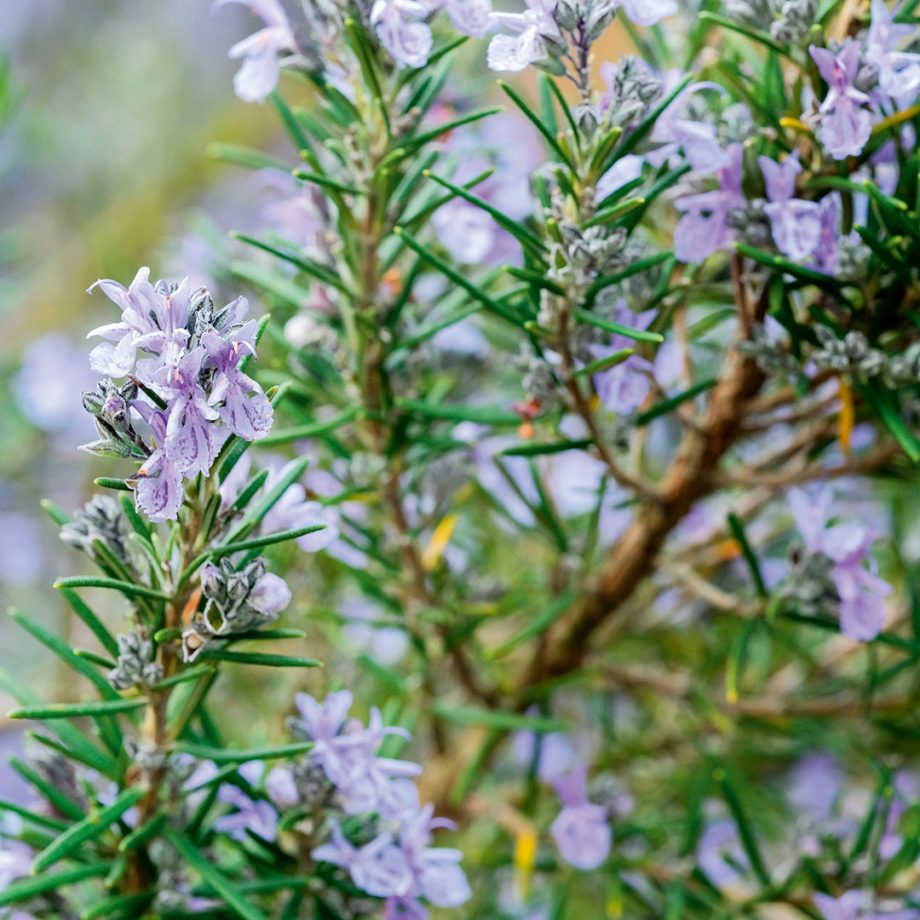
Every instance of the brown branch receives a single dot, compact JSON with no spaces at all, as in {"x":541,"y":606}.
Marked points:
{"x":691,"y":476}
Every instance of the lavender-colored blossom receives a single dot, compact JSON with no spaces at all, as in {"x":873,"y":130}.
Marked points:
{"x":847,"y":907}
{"x":439,"y":879}
{"x":861,"y":592}
{"x":528,"y":42}
{"x":581,"y":830}
{"x":144,"y":307}
{"x":720,"y":854}
{"x":704,"y":227}
{"x":898,"y":71}
{"x":647,"y":12}
{"x":254,"y":816}
{"x":15,"y":857}
{"x":398,"y":26}
{"x":158,"y":484}
{"x":795,"y":223}
{"x":242,"y":405}
{"x":471,"y":17}
{"x":557,"y":753}
{"x":845,"y":122}
{"x":260,"y":52}
{"x":191,"y":440}
{"x":380,"y":867}
{"x":347,"y":752}
{"x":826,"y":256}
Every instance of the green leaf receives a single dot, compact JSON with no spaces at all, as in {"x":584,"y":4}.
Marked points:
{"x":227,"y":755}
{"x":325,"y":182}
{"x":142,"y":834}
{"x":51,"y":824}
{"x":55,"y":512}
{"x":116,"y":485}
{"x":27,"y":888}
{"x":636,"y":268}
{"x":637,"y":335}
{"x":503,"y":721}
{"x":282,"y":536}
{"x":483,"y":415}
{"x":120,"y":905}
{"x":91,"y":827}
{"x":603,"y":364}
{"x":239,"y":155}
{"x":65,"y":653}
{"x":539,"y":450}
{"x":537,"y":122}
{"x":668,"y":405}
{"x":745,"y":831}
{"x":230,"y":894}
{"x":74,"y":710}
{"x":753,"y":34}
{"x":322,"y":273}
{"x":257,"y":658}
{"x":738,"y":532}
{"x":112,"y":584}
{"x":93,"y":623}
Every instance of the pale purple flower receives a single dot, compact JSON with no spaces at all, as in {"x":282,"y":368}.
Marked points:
{"x":648,"y":12}
{"x":847,"y":907}
{"x":398,"y":26}
{"x":861,"y":592}
{"x":249,"y":816}
{"x":719,"y":853}
{"x":404,"y":909}
{"x":380,"y":867}
{"x":557,"y":753}
{"x":158,"y":485}
{"x":625,"y":170}
{"x":260,"y":52}
{"x":815,"y":783}
{"x":347,"y":752}
{"x":242,"y":405}
{"x":15,"y":857}
{"x":439,"y":878}
{"x":795,"y":223}
{"x":142,"y":311}
{"x":527,"y":43}
{"x":281,"y":787}
{"x":898,"y":71}
{"x":581,"y":830}
{"x":191,"y":440}
{"x":845,"y":122}
{"x":471,"y":17}
{"x":704,"y":226}
{"x":826,"y":256}
{"x":270,"y":595}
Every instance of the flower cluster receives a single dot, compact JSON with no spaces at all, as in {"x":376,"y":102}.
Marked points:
{"x":833,"y":565}
{"x":397,"y":862}
{"x":184,"y":362}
